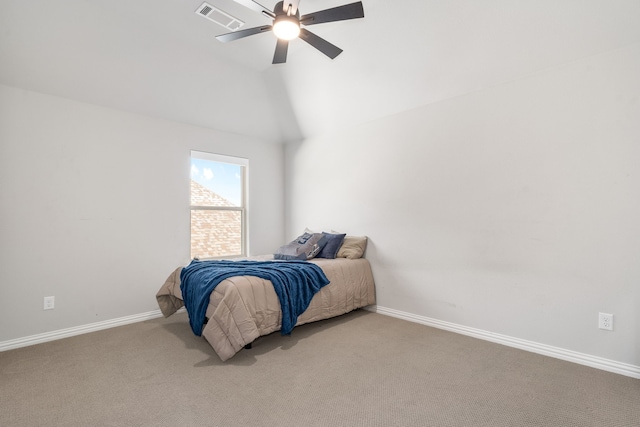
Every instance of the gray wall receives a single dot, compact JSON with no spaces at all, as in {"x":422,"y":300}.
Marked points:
{"x":94,"y":208}
{"x":513,"y":210}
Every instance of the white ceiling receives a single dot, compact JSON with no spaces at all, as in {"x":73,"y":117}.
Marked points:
{"x":160,"y":58}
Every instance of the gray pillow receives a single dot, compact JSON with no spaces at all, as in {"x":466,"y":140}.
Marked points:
{"x":330,"y":244}
{"x":302,"y":248}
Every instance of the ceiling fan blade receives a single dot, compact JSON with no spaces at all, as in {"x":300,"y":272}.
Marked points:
{"x":280,"y":56}
{"x":340,"y":13}
{"x":228,"y":37}
{"x":293,"y":3}
{"x":256,"y":7}
{"x":319,"y":43}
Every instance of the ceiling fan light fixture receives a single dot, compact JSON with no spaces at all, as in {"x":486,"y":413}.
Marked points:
{"x":287,"y":23}
{"x":286,"y":27}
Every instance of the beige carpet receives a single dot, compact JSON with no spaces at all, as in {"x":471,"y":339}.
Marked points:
{"x":362,"y":369}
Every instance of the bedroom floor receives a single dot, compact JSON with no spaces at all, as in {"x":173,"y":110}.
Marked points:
{"x":360,"y":369}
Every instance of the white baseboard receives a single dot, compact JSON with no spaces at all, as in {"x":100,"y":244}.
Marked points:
{"x":77,"y":330}
{"x":547,"y":350}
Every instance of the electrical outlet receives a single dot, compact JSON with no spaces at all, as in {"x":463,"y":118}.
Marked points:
{"x":605,"y":321}
{"x":49,"y":303}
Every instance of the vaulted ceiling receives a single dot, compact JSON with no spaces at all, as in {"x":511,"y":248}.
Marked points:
{"x":158,"y":57}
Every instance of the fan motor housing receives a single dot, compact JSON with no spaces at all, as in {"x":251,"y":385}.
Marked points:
{"x":279,"y":11}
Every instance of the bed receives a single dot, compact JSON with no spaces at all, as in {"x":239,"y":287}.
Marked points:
{"x":243,"y":308}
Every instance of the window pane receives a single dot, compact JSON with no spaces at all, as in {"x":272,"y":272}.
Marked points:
{"x":215,"y":183}
{"x":215,"y":233}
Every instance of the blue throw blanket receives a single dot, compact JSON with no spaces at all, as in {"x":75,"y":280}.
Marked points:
{"x":295,"y":283}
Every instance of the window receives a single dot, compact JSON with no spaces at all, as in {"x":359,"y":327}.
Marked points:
{"x":218,"y":206}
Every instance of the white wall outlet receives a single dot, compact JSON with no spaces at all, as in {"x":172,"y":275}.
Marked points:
{"x":605,"y":321}
{"x":49,"y":303}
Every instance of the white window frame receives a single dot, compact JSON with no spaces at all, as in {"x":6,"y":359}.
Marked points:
{"x":243,"y":208}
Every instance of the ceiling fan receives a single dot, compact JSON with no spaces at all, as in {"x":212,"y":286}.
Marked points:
{"x":287,"y":24}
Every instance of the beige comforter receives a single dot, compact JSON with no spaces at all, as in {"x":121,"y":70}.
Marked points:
{"x":243,"y":308}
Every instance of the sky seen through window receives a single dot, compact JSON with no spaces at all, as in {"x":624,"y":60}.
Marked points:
{"x":224,"y":179}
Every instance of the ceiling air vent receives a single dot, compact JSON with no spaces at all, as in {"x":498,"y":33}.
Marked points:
{"x":219,"y":17}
